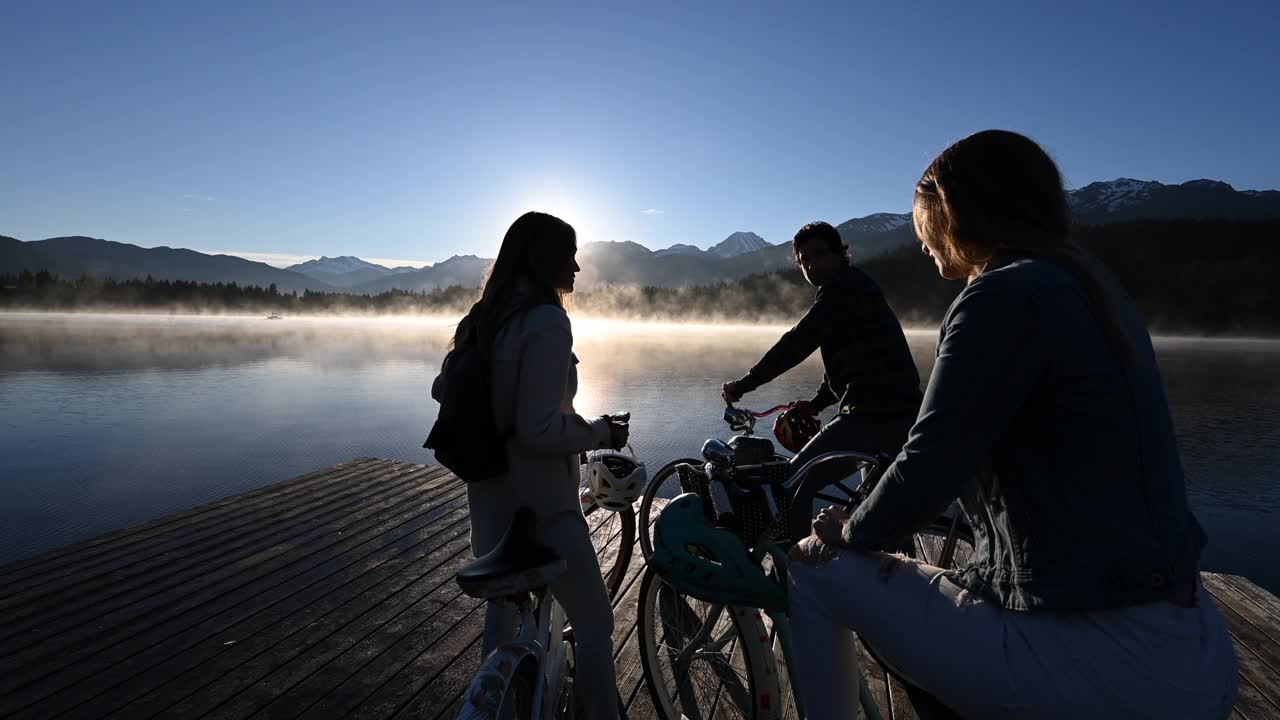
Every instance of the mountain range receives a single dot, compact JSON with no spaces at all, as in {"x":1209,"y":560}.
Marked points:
{"x":609,"y":263}
{"x":346,"y":271}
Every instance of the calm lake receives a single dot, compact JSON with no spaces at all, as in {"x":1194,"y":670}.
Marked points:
{"x":107,"y":421}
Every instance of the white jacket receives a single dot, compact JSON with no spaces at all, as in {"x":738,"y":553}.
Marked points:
{"x":534,"y":381}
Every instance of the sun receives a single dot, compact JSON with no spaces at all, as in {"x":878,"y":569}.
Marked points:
{"x":573,"y":205}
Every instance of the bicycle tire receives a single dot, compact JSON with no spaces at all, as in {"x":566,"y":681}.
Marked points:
{"x":619,"y":529}
{"x":651,"y":491}
{"x":750,"y":693}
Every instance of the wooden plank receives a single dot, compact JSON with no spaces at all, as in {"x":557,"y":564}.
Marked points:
{"x":877,"y":679}
{"x":176,"y":573}
{"x":412,"y":625}
{"x":1267,"y":631}
{"x":48,"y":604}
{"x":112,"y":542}
{"x":231,"y":519}
{"x":234,"y":579}
{"x":1253,"y":668}
{"x":378,"y":652}
{"x":1252,"y":704}
{"x":120,"y":574}
{"x":113,"y":621}
{"x":432,"y":678}
{"x":1255,"y":594}
{"x":344,"y":684}
{"x":401,"y":554}
{"x":433,"y":571}
{"x":448,"y":686}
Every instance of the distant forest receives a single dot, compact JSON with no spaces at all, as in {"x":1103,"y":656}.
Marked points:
{"x":1187,"y":276}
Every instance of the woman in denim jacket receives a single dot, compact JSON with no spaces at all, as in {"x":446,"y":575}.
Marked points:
{"x":1046,"y":417}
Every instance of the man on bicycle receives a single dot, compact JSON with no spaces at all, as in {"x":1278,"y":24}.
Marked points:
{"x":868,"y":366}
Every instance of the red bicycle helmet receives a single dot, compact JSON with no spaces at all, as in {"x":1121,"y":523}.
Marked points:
{"x":793,"y":431}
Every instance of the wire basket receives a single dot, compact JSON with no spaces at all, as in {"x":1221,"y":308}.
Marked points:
{"x":752,"y":517}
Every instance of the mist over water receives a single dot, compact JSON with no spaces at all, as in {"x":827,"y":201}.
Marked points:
{"x":107,"y":421}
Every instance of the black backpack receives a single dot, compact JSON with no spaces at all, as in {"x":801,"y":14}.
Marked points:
{"x":465,"y":437}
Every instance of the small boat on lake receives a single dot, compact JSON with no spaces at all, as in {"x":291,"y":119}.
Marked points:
{"x":275,"y":316}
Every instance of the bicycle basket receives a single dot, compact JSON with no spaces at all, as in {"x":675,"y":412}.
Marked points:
{"x":751,"y":515}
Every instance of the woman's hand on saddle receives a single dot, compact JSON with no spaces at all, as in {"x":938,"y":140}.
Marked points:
{"x":812,"y":551}
{"x":829,"y":525}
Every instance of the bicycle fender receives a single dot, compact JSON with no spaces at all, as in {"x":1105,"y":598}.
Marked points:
{"x":769,"y":701}
{"x":483,"y":696}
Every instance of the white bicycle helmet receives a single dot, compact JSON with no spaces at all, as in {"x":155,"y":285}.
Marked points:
{"x":615,"y":479}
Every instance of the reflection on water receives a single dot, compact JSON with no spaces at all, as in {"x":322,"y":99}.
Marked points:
{"x":109,"y":421}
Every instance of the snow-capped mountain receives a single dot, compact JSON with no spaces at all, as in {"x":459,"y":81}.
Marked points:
{"x":877,"y":223}
{"x":738,"y":244}
{"x":1128,"y":199}
{"x":876,"y":234}
{"x":1112,"y":195}
{"x":678,"y":249}
{"x":335,"y":266}
{"x":346,"y":270}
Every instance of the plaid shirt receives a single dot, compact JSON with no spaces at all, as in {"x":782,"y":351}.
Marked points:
{"x":868,"y":365}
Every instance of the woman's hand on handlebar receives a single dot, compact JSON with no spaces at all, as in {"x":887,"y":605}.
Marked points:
{"x":729,"y":391}
{"x":829,"y":525}
{"x":619,"y":433}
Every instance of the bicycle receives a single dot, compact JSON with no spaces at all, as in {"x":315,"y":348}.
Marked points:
{"x":665,"y":486}
{"x":704,"y":656}
{"x":530,"y":677}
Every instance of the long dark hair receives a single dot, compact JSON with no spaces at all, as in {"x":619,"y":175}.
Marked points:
{"x":997,"y":193}
{"x":536,"y":247}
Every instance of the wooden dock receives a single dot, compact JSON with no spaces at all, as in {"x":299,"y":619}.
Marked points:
{"x":330,"y":595}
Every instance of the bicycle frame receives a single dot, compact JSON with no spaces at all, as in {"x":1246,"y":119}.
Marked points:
{"x":541,"y":629}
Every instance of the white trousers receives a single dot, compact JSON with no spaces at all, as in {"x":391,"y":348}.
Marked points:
{"x":982,"y":661}
{"x":582,"y":594}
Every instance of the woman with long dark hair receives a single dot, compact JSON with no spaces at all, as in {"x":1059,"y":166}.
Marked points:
{"x":520,"y":318}
{"x":1046,"y":417}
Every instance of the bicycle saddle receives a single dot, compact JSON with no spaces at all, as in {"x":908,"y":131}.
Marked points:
{"x":519,"y":563}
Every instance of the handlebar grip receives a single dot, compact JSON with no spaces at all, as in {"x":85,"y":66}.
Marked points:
{"x":720,"y":505}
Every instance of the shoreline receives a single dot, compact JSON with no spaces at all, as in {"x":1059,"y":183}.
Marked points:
{"x":586,"y":320}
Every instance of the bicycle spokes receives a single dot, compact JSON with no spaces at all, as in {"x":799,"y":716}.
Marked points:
{"x":700,"y":648}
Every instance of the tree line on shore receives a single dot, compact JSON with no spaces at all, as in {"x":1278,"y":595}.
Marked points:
{"x":1199,"y":276}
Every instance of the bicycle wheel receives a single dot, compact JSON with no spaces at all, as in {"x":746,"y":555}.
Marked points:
{"x":665,"y":485}
{"x":947,"y":543}
{"x":614,"y":535}
{"x":838,"y":486}
{"x":503,"y":687}
{"x":702,"y":660}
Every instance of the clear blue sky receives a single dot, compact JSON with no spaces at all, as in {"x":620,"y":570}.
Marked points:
{"x":408,"y":131}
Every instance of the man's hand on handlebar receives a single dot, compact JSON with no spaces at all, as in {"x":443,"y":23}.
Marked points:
{"x":729,"y":391}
